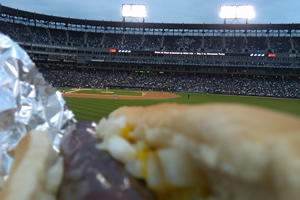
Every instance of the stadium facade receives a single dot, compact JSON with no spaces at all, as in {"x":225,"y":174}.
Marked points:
{"x":271,"y":50}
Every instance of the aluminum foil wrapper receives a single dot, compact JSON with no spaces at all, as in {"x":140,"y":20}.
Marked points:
{"x":27,"y":102}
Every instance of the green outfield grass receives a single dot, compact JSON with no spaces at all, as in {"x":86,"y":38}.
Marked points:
{"x":119,"y":92}
{"x":95,"y":109}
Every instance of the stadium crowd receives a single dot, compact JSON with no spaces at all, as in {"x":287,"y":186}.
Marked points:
{"x":213,"y":84}
{"x":262,"y":44}
{"x":224,"y":84}
{"x":190,"y":61}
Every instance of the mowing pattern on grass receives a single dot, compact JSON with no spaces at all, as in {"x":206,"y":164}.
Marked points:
{"x":95,"y":109}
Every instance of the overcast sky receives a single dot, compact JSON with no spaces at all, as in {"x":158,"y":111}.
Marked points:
{"x":167,"y":11}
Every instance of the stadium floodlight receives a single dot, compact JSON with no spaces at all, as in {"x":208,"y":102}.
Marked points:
{"x":245,"y":12}
{"x":237,"y":12}
{"x":228,"y":12}
{"x":134,"y":10}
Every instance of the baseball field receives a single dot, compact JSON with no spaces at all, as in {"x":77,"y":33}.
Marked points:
{"x":93,"y":104}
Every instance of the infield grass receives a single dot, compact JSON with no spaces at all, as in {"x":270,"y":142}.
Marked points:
{"x":110,"y":92}
{"x":95,"y":109}
{"x":65,"y":89}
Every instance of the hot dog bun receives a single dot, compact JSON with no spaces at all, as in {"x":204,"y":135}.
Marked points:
{"x":237,"y":152}
{"x":36,"y":171}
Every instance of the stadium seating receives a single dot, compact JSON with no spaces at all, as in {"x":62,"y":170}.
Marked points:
{"x":215,"y":84}
{"x":72,"y":56}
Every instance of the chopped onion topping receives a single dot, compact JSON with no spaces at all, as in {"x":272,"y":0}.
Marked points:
{"x":177,"y":167}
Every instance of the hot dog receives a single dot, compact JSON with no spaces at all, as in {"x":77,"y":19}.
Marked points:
{"x":174,"y":151}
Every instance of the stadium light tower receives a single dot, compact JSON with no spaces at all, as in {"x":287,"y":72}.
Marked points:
{"x":134,"y":11}
{"x":236,"y":12}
